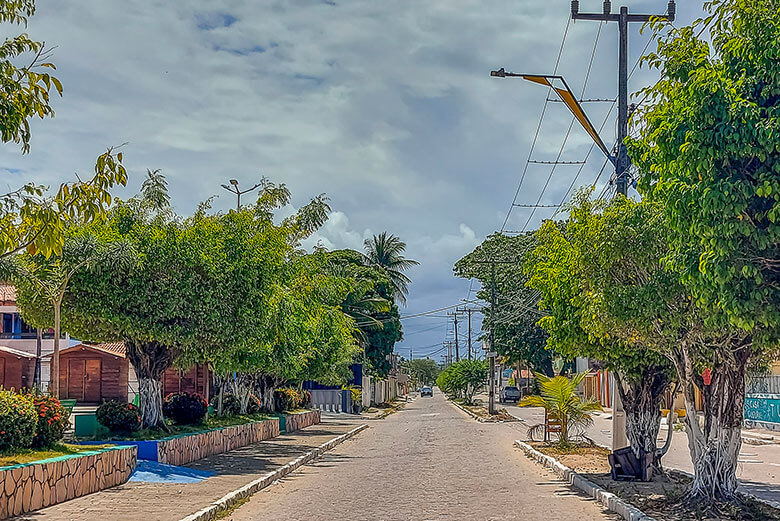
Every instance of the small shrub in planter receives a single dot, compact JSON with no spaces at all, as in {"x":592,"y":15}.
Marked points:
{"x":52,"y":420}
{"x":287,"y":399}
{"x":17,"y":420}
{"x":230,"y":404}
{"x":185,"y":408}
{"x":232,"y":407}
{"x":118,"y":417}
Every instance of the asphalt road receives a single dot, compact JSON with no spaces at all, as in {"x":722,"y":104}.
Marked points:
{"x":429,"y":461}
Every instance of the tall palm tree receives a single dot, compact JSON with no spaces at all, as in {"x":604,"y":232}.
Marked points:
{"x":387,"y":251}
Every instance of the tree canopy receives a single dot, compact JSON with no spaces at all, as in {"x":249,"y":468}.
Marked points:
{"x":518,"y":337}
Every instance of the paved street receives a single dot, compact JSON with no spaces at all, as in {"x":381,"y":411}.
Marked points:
{"x":429,"y":461}
{"x":759,"y":465}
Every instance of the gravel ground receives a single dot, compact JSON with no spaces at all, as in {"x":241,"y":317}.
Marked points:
{"x":429,"y":461}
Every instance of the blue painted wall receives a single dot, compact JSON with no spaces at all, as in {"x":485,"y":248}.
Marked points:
{"x":762,"y":408}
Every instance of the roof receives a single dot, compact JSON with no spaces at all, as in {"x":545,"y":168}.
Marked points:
{"x":7,"y":293}
{"x":16,"y":352}
{"x":111,"y":348}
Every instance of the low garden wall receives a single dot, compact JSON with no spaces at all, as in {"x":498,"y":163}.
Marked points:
{"x":185,"y":448}
{"x":300,"y":420}
{"x":32,"y":486}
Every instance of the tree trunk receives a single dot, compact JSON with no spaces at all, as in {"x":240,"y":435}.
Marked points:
{"x":642,"y":405}
{"x":150,"y":360}
{"x":54,"y":369}
{"x":715,"y":445}
{"x":241,"y":387}
{"x":37,"y":373}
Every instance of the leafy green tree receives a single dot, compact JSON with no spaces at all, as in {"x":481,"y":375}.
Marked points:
{"x":600,"y":278}
{"x":29,"y":219}
{"x":518,"y":337}
{"x":463,"y":379}
{"x":387,"y":251}
{"x":706,"y":149}
{"x":25,"y":88}
{"x":558,"y":396}
{"x":42,"y":282}
{"x":422,"y":371}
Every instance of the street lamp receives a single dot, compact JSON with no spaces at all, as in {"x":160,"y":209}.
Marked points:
{"x":235,"y":189}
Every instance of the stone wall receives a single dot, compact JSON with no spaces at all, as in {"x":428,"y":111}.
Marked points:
{"x":180,"y":450}
{"x":32,"y":486}
{"x":301,"y":420}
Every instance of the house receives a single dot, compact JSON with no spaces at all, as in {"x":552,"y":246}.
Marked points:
{"x":17,"y":368}
{"x":94,"y":373}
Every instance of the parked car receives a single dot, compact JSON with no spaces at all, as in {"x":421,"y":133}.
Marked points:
{"x":509,"y":394}
{"x":426,"y":391}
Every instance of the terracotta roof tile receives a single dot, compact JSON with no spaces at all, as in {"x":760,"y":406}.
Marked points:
{"x":7,"y":293}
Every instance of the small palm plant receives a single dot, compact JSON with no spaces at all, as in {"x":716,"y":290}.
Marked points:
{"x":562,"y":406}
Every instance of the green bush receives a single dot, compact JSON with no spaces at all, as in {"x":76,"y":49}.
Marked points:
{"x":232,"y":407}
{"x":185,"y":408}
{"x":18,"y":420}
{"x":287,"y":399}
{"x":118,"y":417}
{"x":462,"y":379}
{"x":52,"y":420}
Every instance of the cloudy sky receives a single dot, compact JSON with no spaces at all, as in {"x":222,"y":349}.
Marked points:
{"x":387,"y":107}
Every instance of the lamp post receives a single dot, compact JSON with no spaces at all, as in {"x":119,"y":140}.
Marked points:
{"x":235,"y":189}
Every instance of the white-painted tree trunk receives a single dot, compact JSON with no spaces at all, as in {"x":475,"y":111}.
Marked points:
{"x":715,"y":434}
{"x":150,"y":401}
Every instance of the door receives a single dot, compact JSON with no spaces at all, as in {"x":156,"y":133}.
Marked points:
{"x":92,"y":380}
{"x":76,"y":376}
{"x":2,"y":373}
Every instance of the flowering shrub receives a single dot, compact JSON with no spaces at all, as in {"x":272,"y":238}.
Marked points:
{"x":52,"y":420}
{"x":17,"y":420}
{"x":185,"y":408}
{"x":119,"y":417}
{"x":287,"y":399}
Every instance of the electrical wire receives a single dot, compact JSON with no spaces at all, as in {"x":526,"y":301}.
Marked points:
{"x":538,"y":129}
{"x":568,"y":132}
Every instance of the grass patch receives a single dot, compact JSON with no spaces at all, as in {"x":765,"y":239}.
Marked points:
{"x":223,"y":514}
{"x":17,"y":457}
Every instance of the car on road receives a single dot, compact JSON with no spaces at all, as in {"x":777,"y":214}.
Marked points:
{"x":509,"y":394}
{"x":426,"y":391}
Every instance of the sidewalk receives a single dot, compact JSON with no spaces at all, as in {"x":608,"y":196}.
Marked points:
{"x":758,"y":465}
{"x":172,"y":493}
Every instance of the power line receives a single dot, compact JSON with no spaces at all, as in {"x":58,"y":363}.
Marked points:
{"x":538,"y":129}
{"x":568,"y":132}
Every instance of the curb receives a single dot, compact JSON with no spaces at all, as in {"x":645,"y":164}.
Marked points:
{"x":210,"y":512}
{"x":606,"y":499}
{"x":459,"y":406}
{"x":481,"y":419}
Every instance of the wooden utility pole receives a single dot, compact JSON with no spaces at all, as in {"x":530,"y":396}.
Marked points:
{"x":622,"y":162}
{"x":454,"y":315}
{"x":491,"y":353}
{"x":468,"y":312}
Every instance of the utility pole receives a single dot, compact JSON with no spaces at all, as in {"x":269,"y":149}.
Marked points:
{"x":468,"y":312}
{"x":622,"y":162}
{"x":234,"y":189}
{"x":491,"y":378}
{"x":454,"y":315}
